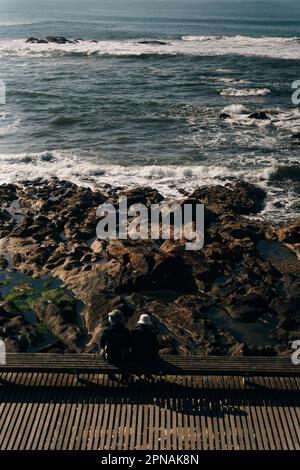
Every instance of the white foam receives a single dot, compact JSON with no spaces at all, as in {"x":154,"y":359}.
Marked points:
{"x":167,"y":178}
{"x":277,"y":47}
{"x":235,"y":109}
{"x":245,"y":92}
{"x":232,"y":80}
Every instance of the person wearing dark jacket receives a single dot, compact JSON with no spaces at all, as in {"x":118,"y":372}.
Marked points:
{"x":115,"y":339}
{"x":144,"y":343}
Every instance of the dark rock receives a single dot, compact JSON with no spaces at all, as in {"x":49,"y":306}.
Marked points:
{"x":58,"y":312}
{"x":239,"y":198}
{"x":155,"y":43}
{"x":56,"y":236}
{"x":224,"y":116}
{"x":8,"y":194}
{"x":3,"y":263}
{"x":16,"y":332}
{"x":50,"y":39}
{"x":261,"y":115}
{"x":289,"y":233}
{"x":32,"y":40}
{"x":58,"y":39}
{"x":143,"y":195}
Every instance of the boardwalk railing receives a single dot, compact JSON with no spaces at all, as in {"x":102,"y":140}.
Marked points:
{"x":166,"y":365}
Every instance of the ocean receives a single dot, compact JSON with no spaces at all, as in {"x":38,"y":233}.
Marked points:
{"x":142,"y":104}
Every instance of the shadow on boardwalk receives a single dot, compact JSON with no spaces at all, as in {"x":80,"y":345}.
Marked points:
{"x":192,"y":397}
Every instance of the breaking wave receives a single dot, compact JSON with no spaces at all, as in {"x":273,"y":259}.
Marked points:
{"x":245,"y":92}
{"x":279,"y":179}
{"x":275,"y":47}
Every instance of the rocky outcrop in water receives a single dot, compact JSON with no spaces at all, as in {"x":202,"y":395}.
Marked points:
{"x":54,"y":40}
{"x":261,"y":115}
{"x":203,"y":302}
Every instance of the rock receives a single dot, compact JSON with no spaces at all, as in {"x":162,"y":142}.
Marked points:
{"x":32,"y":40}
{"x":137,"y":266}
{"x":155,"y":43}
{"x":247,"y":234}
{"x":57,"y":236}
{"x":289,"y":234}
{"x":57,"y":310}
{"x":3,"y":263}
{"x":16,"y":332}
{"x":50,"y":39}
{"x":143,"y":195}
{"x":239,"y":198}
{"x":58,"y":39}
{"x":100,"y":305}
{"x":261,"y":115}
{"x":296,"y":136}
{"x":224,"y":116}
{"x":99,"y":247}
{"x":8,"y":194}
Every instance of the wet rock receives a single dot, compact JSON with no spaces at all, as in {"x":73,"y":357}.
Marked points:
{"x":15,"y":331}
{"x":57,"y":236}
{"x":137,"y":266}
{"x":260,"y":115}
{"x":32,"y":40}
{"x":154,"y":43}
{"x":57,"y":310}
{"x":289,"y":234}
{"x":296,"y":136}
{"x":239,"y":198}
{"x":3,"y":263}
{"x":49,"y":39}
{"x":224,"y":116}
{"x":143,"y":195}
{"x":8,"y":194}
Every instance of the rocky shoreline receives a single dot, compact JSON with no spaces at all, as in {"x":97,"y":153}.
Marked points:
{"x":243,"y":285}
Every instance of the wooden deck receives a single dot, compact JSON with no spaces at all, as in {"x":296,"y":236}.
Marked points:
{"x":58,"y":411}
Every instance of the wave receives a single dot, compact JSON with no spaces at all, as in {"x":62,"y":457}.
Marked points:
{"x":201,"y":38}
{"x":274,"y":47}
{"x":245,"y":92}
{"x":235,"y":109}
{"x":232,"y":80}
{"x":274,"y":177}
{"x":253,"y":39}
{"x":287,"y":121}
{"x":47,"y":164}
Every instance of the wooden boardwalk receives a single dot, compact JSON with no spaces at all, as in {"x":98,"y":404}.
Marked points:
{"x":53,"y":411}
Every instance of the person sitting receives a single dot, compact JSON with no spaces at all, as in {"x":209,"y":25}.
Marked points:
{"x":144,"y":343}
{"x":115,"y":339}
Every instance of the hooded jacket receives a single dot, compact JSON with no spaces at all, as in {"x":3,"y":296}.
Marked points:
{"x":115,"y":341}
{"x":144,"y":344}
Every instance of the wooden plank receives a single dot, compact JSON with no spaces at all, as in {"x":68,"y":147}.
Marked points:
{"x":15,"y":419}
{"x":21,"y":428}
{"x":280,"y":404}
{"x":99,"y":422}
{"x":37,"y":413}
{"x":176,"y":413}
{"x":294,"y":420}
{"x":55,"y":426}
{"x":54,"y":404}
{"x":11,"y":407}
